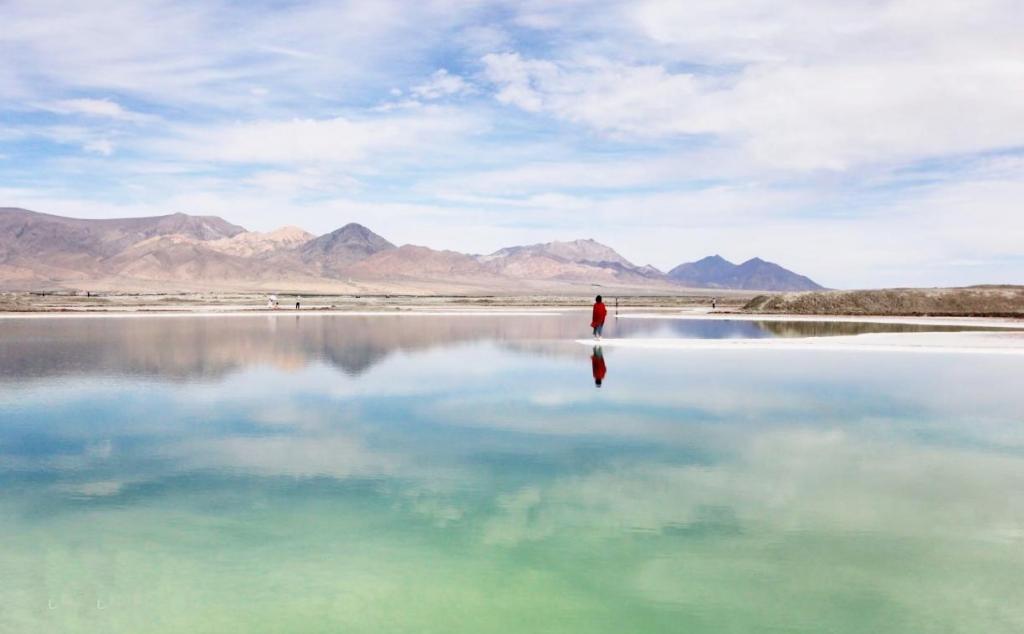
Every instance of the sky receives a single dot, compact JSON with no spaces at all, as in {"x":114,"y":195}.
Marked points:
{"x":864,"y":143}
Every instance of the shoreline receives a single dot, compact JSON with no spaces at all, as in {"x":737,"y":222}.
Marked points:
{"x":312,"y":312}
{"x":990,"y":343}
{"x":648,"y":312}
{"x":988,"y":322}
{"x":1007,"y":340}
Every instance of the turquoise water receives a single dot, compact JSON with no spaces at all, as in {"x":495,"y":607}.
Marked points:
{"x":443,"y":474}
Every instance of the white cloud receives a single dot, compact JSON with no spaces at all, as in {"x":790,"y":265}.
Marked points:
{"x":802,"y":32}
{"x":802,"y":117}
{"x":441,"y":84}
{"x":295,"y":181}
{"x":104,"y":108}
{"x":92,"y":140}
{"x":335,"y":140}
{"x":806,"y":85}
{"x":181,"y":53}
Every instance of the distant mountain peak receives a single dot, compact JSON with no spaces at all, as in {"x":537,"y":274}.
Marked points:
{"x":355,"y":232}
{"x":713,"y":259}
{"x":715,"y":271}
{"x":335,"y":251}
{"x":580,"y":250}
{"x":580,"y":260}
{"x":199,"y":227}
{"x":353,"y":226}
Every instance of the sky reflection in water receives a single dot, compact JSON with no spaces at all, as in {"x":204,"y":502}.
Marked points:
{"x":429,"y":474}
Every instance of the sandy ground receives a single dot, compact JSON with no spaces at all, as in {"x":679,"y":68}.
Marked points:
{"x":246,"y":302}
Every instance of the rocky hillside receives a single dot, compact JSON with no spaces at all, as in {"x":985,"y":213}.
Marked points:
{"x":39,"y":246}
{"x":579,"y":260}
{"x":252,"y":243}
{"x":331,"y":254}
{"x":573,"y":251}
{"x":972,"y":300}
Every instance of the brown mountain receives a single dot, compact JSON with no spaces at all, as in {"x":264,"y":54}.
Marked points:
{"x":418,"y":263}
{"x":34,"y":234}
{"x":588,"y":251}
{"x":331,"y":254}
{"x":55,"y":247}
{"x":576,"y":261}
{"x":176,"y":257}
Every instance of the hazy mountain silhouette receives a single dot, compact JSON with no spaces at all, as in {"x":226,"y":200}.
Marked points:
{"x":755,"y":274}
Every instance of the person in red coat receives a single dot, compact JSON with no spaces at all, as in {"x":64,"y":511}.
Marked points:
{"x":597,"y":323}
{"x":597,"y":364}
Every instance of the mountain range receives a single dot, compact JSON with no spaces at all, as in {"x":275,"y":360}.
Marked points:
{"x":185,"y":252}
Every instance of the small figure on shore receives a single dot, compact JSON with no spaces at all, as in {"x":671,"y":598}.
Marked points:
{"x":714,"y":302}
{"x":600,"y":312}
{"x":598,"y":366}
{"x":271,"y":301}
{"x":298,"y":302}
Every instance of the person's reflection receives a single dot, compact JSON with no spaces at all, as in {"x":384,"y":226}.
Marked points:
{"x":597,"y":364}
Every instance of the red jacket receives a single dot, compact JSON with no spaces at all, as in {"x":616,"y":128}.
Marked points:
{"x":600,"y":312}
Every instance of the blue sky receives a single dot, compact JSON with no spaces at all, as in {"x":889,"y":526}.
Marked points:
{"x":864,"y":143}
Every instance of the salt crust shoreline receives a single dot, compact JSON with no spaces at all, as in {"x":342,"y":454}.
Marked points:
{"x":276,"y":313}
{"x":992,"y":343}
{"x":986,"y":322}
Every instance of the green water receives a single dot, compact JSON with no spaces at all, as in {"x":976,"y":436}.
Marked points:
{"x":432,"y":474}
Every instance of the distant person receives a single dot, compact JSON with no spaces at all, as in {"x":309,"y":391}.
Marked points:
{"x":597,"y":323}
{"x":714,"y":302}
{"x":298,"y":302}
{"x":598,"y":366}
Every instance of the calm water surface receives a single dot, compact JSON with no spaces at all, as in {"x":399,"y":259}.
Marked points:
{"x":464,"y":474}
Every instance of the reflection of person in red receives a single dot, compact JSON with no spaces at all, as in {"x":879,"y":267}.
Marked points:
{"x":597,"y":323}
{"x":597,"y":363}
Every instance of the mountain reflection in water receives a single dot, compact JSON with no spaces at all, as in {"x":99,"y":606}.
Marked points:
{"x":206,"y":348}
